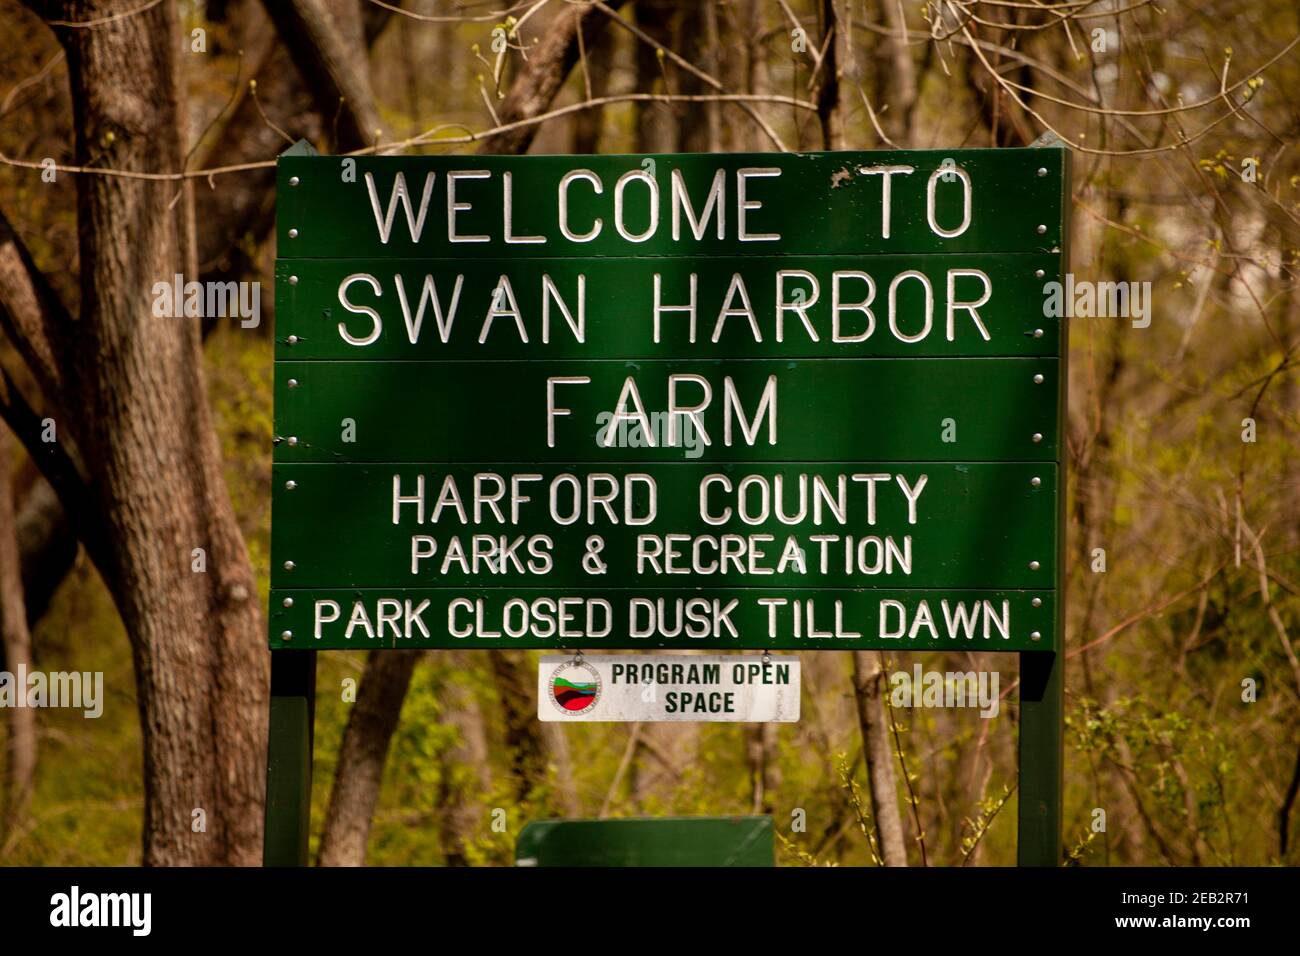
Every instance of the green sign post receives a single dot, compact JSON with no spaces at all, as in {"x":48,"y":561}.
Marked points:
{"x":717,"y":402}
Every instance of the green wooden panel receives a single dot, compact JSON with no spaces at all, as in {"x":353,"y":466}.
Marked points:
{"x":670,"y":841}
{"x":840,"y":619}
{"x":976,"y":525}
{"x":618,"y":307}
{"x":818,"y":204}
{"x":827,"y":410}
{"x":349,"y":417}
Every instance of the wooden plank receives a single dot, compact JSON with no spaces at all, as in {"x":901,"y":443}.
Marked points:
{"x":825,"y":410}
{"x":444,"y":308}
{"x":916,"y":525}
{"x":763,"y":618}
{"x":793,"y":204}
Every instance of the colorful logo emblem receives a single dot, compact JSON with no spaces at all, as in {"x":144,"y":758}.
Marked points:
{"x":575,"y":687}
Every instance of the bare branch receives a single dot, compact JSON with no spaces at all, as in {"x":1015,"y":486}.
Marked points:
{"x":31,"y":313}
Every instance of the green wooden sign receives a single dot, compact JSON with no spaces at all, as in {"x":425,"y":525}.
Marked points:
{"x":506,"y":381}
{"x":662,"y":841}
{"x":689,"y":401}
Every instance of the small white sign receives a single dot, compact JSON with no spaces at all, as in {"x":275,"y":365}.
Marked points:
{"x":665,"y":687}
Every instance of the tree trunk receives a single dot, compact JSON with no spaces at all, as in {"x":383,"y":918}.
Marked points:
{"x":587,"y":125}
{"x":20,"y":767}
{"x":138,"y":391}
{"x":533,"y":748}
{"x":868,"y":686}
{"x":761,"y":746}
{"x":466,"y":771}
{"x":236,"y":219}
{"x":828,"y":80}
{"x":656,"y":122}
{"x":550,"y":61}
{"x":362,"y":756}
{"x":898,"y":88}
{"x":47,"y":547}
{"x":743,"y":66}
{"x":326,"y":41}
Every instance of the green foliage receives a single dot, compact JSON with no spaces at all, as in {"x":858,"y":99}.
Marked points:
{"x":87,"y":805}
{"x":1182,"y":768}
